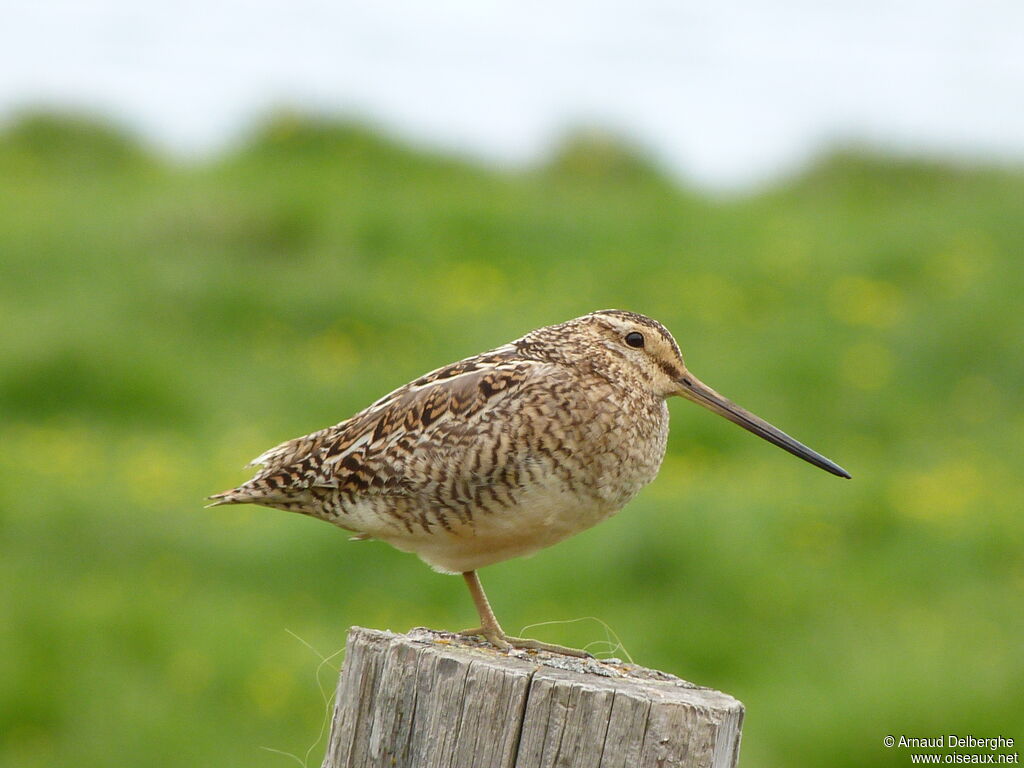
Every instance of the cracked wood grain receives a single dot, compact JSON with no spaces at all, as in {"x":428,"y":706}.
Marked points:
{"x":431,"y":700}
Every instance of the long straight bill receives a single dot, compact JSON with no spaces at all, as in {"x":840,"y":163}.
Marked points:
{"x":699,"y":392}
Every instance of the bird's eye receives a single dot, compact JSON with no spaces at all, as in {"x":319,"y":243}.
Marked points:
{"x":635,"y":339}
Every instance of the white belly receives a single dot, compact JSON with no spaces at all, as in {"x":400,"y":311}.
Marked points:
{"x":544,"y":517}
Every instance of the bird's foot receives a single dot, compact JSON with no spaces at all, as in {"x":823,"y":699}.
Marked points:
{"x":504,"y":642}
{"x":526,"y":643}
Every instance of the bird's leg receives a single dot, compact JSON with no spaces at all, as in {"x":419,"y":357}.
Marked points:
{"x":489,"y":627}
{"x":492,"y":632}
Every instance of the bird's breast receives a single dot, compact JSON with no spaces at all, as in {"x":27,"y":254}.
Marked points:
{"x":543,"y":474}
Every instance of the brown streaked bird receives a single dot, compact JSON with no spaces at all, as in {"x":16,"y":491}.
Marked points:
{"x":504,"y":453}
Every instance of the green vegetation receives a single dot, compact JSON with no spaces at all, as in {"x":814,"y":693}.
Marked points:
{"x":162,"y":324}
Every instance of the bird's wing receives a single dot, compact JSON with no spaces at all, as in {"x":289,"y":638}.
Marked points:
{"x":368,"y":453}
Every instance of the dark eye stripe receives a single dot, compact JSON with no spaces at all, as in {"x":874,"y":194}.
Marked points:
{"x":635,"y":339}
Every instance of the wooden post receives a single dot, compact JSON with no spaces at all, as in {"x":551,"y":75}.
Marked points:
{"x":430,"y":699}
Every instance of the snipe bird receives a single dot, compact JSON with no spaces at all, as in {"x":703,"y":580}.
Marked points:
{"x":503,"y":453}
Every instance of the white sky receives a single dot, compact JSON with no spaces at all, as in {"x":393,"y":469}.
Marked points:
{"x":727,"y":93}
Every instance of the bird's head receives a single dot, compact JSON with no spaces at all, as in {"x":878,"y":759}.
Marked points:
{"x":647,"y":349}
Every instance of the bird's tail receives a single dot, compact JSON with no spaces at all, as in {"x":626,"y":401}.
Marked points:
{"x":257,"y":491}
{"x":240,"y":495}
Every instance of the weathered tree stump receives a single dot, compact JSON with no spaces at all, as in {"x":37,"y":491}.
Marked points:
{"x":431,"y":699}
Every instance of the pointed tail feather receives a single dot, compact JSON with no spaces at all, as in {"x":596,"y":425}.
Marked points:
{"x":256,"y":492}
{"x":233,"y":496}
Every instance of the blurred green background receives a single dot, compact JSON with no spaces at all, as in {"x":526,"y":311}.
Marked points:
{"x":164,"y":323}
